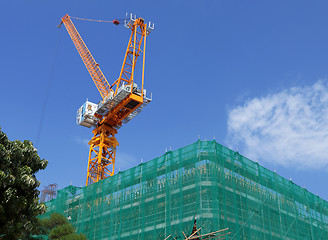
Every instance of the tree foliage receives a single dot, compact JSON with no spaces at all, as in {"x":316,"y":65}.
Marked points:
{"x":58,"y":227}
{"x":19,"y":205}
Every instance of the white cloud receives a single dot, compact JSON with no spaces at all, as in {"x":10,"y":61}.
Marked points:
{"x":289,"y":128}
{"x":124,"y":161}
{"x":83,"y":141}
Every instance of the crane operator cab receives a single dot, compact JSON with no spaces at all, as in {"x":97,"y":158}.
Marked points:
{"x":85,"y":115}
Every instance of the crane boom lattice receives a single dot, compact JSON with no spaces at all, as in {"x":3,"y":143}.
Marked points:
{"x":92,"y":66}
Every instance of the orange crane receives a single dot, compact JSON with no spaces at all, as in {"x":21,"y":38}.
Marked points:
{"x":121,"y":101}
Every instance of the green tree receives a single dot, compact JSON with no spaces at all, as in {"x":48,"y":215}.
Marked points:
{"x":19,"y":205}
{"x":58,"y":227}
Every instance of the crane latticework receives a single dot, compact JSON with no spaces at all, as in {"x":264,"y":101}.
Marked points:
{"x":90,"y":63}
{"x":134,"y":49}
{"x":102,"y":154}
{"x":205,"y":180}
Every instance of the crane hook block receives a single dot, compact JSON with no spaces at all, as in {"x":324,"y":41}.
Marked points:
{"x":116,"y":22}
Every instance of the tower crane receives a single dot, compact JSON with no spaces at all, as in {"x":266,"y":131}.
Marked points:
{"x":121,"y":101}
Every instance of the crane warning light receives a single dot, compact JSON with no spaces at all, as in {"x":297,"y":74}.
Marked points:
{"x":116,"y":22}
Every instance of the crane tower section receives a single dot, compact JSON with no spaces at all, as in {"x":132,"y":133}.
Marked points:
{"x":121,"y":101}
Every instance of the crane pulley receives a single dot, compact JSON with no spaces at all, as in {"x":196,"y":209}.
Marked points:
{"x":121,"y":101}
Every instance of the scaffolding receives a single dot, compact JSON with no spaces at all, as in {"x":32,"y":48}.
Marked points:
{"x":205,"y":180}
{"x":49,"y":192}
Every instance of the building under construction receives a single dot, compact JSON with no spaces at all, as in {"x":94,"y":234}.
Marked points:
{"x":205,"y":180}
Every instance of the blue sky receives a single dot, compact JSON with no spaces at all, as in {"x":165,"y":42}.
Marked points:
{"x":252,"y":74}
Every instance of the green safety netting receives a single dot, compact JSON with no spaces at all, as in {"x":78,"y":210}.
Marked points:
{"x":206,"y":180}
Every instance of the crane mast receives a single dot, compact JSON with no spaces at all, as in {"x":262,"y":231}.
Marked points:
{"x":121,"y":101}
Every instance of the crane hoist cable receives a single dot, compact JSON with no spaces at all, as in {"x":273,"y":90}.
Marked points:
{"x":48,"y":90}
{"x":115,"y":21}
